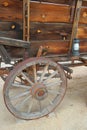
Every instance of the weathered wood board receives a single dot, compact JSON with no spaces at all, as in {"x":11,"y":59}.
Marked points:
{"x":49,"y":20}
{"x":41,"y":12}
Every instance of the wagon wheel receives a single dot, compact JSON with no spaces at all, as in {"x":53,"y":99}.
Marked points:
{"x":43,"y":90}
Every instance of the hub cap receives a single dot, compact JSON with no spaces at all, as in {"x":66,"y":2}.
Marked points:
{"x":39,"y":91}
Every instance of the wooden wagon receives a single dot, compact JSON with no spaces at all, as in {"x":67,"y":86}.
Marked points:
{"x":39,"y":41}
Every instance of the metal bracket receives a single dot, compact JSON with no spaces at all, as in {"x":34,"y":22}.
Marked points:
{"x":68,"y":72}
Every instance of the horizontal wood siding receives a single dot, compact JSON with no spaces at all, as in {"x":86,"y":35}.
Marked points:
{"x":41,"y":31}
{"x":49,"y":13}
{"x":49,"y":23}
{"x":56,"y":47}
{"x":39,"y":12}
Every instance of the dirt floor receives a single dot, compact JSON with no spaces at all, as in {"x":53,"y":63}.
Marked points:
{"x":71,"y":114}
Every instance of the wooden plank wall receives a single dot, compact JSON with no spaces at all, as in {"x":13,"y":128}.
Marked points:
{"x":43,"y":13}
{"x":49,"y":21}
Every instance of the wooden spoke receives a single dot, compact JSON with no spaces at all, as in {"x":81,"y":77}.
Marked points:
{"x":52,"y":75}
{"x":17,"y":81}
{"x":35,"y":73}
{"x":43,"y":73}
{"x":27,"y":78}
{"x":55,"y":83}
{"x":19,"y":95}
{"x":30,"y":106}
{"x":23,"y":102}
{"x":20,"y":86}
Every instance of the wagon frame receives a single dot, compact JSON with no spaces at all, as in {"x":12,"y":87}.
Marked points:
{"x":38,"y":70}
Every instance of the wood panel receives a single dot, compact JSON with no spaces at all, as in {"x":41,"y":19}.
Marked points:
{"x":42,"y":31}
{"x":50,"y":31}
{"x":11,"y":34}
{"x":55,"y":31}
{"x":11,"y":29}
{"x":10,"y":26}
{"x":56,"y":46}
{"x":49,"y":13}
{"x":10,"y":10}
{"x":39,"y":12}
{"x":52,"y":47}
{"x":54,"y":13}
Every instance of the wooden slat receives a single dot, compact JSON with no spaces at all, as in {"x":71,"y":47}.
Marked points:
{"x":11,"y":30}
{"x":52,"y":47}
{"x":11,"y":34}
{"x":10,"y":26}
{"x":40,"y":31}
{"x":49,"y":13}
{"x":10,"y":10}
{"x":55,"y":31}
{"x":50,"y":31}
{"x":39,"y":12}
{"x":56,"y":46}
{"x":14,"y":42}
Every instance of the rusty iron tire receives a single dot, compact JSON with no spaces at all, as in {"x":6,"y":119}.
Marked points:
{"x":45,"y":88}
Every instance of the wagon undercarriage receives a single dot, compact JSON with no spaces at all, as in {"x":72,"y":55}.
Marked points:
{"x":36,"y":67}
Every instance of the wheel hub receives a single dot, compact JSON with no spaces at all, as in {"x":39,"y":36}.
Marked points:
{"x":39,"y":91}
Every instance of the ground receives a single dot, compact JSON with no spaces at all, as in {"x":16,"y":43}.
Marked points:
{"x":71,"y":114}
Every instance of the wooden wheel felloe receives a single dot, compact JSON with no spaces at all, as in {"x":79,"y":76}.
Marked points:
{"x":34,"y":88}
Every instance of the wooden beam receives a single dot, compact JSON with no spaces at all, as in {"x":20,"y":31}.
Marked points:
{"x":4,"y":54}
{"x":14,"y":42}
{"x":26,"y":20}
{"x":75,"y":23}
{"x":72,"y":10}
